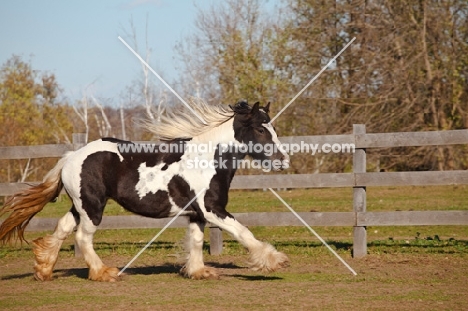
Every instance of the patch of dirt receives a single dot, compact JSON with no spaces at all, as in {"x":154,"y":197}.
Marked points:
{"x":384,"y":282}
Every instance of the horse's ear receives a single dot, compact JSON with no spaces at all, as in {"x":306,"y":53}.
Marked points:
{"x":267,"y":108}
{"x":255,"y":108}
{"x":241,"y":107}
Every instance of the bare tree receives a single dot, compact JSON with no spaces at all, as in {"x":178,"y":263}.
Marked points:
{"x":104,"y":126}
{"x":82,"y":113}
{"x":227,"y":58}
{"x":27,"y":171}
{"x":154,"y":99}
{"x":406,"y":71}
{"x":122,"y":121}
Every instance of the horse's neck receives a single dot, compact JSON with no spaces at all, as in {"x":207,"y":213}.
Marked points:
{"x":223,"y":134}
{"x":220,"y":134}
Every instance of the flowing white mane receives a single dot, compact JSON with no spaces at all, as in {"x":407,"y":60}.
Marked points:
{"x":183,"y":123}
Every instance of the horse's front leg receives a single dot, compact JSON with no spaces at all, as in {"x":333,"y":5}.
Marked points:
{"x":194,"y":267}
{"x":263,"y":256}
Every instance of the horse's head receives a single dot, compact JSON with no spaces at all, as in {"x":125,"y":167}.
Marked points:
{"x":252,"y":128}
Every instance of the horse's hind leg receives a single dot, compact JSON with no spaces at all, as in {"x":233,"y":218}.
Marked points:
{"x":46,"y":249}
{"x":194,"y":267}
{"x":84,"y":239}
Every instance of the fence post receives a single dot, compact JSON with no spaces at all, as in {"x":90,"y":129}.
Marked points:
{"x":79,"y":140}
{"x":359,"y":197}
{"x":216,"y":241}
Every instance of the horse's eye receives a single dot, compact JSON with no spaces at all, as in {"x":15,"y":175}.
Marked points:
{"x":261,"y":131}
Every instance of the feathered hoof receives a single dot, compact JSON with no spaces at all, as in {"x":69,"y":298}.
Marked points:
{"x":267,"y":259}
{"x":205,"y":273}
{"x":39,"y":276}
{"x":45,"y":251}
{"x":105,"y":274}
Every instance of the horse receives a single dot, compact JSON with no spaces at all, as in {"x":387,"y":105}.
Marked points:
{"x":155,"y":184}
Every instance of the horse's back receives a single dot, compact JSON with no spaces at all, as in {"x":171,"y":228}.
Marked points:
{"x":142,"y":183}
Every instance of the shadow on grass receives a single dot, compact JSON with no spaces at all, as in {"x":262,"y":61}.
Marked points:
{"x":256,"y":277}
{"x":166,"y":268}
{"x":228,"y":265}
{"x":339,"y":245}
{"x":18,"y":276}
{"x":426,"y":245}
{"x":82,"y":273}
{"x":156,"y":245}
{"x":169,"y":268}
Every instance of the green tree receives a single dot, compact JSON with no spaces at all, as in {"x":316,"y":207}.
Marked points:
{"x":18,"y":108}
{"x":30,"y":114}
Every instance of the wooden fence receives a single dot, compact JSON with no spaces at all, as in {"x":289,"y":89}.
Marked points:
{"x":359,"y":179}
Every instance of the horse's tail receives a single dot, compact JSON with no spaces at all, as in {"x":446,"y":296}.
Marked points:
{"x":24,"y":205}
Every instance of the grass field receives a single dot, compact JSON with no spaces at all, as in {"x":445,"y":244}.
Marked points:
{"x":408,"y":268}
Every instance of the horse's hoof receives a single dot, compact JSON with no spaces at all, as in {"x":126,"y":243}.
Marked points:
{"x":105,"y":274}
{"x":42,"y":277}
{"x":205,"y":273}
{"x":267,"y":259}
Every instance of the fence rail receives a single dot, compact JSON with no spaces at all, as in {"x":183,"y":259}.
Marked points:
{"x":359,"y":179}
{"x":324,"y":180}
{"x":282,"y":219}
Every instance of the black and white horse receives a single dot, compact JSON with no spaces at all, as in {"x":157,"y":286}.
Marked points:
{"x":157,"y":184}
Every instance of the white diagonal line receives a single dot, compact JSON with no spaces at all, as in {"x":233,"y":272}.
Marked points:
{"x":159,"y":233}
{"x":313,"y":79}
{"x":162,"y":80}
{"x":313,"y":231}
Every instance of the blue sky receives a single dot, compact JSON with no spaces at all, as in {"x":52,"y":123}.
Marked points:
{"x":77,"y":39}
